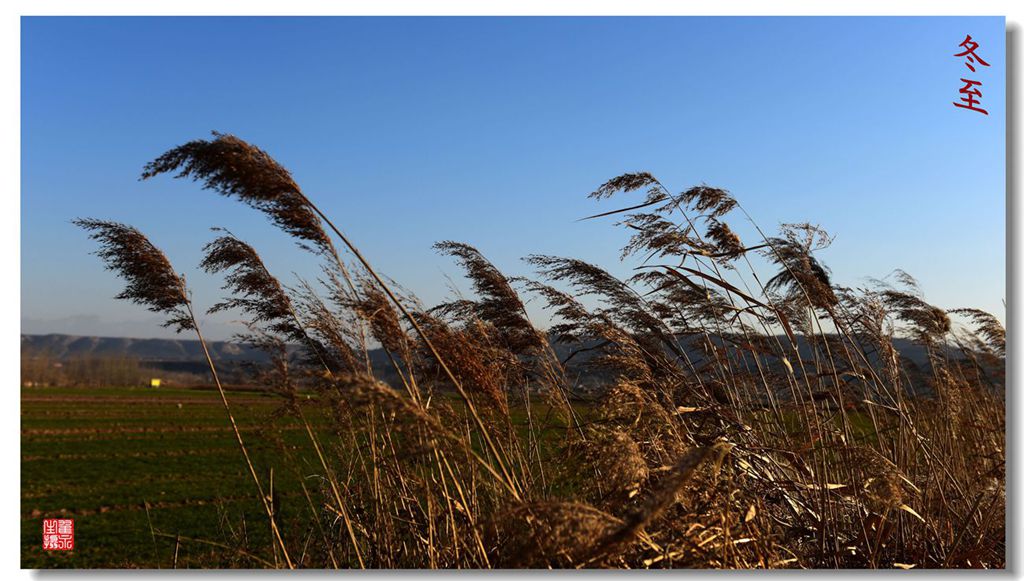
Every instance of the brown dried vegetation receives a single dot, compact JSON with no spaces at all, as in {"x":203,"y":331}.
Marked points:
{"x":743,"y":424}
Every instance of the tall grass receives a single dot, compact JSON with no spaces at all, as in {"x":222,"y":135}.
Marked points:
{"x":756,"y":415}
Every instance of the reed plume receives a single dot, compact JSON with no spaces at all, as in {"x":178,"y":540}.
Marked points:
{"x":710,"y":202}
{"x":727,"y":244}
{"x":253,"y":289}
{"x":622,"y":303}
{"x":927,"y":322}
{"x":498,"y":304}
{"x":236,"y":169}
{"x":987,"y":327}
{"x":800,"y":273}
{"x":151,"y":280}
{"x":153,"y":283}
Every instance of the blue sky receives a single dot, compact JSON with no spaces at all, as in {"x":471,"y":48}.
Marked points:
{"x":492,"y":131}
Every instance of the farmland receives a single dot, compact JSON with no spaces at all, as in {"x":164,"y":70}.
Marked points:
{"x":103,"y":456}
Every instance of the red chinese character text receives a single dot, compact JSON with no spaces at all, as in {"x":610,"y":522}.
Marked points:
{"x":969,"y":101}
{"x":969,"y":47}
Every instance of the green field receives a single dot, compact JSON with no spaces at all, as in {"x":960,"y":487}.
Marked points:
{"x":137,"y":468}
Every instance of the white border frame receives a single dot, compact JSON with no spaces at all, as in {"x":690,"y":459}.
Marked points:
{"x":10,"y":169}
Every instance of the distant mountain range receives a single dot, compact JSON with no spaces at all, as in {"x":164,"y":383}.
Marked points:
{"x":63,"y":347}
{"x":184,"y":358}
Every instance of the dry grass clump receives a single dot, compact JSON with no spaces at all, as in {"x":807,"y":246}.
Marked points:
{"x":615,"y":458}
{"x":751,"y":413}
{"x":550,"y":534}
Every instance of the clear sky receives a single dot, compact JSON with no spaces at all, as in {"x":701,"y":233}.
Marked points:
{"x":492,"y":131}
